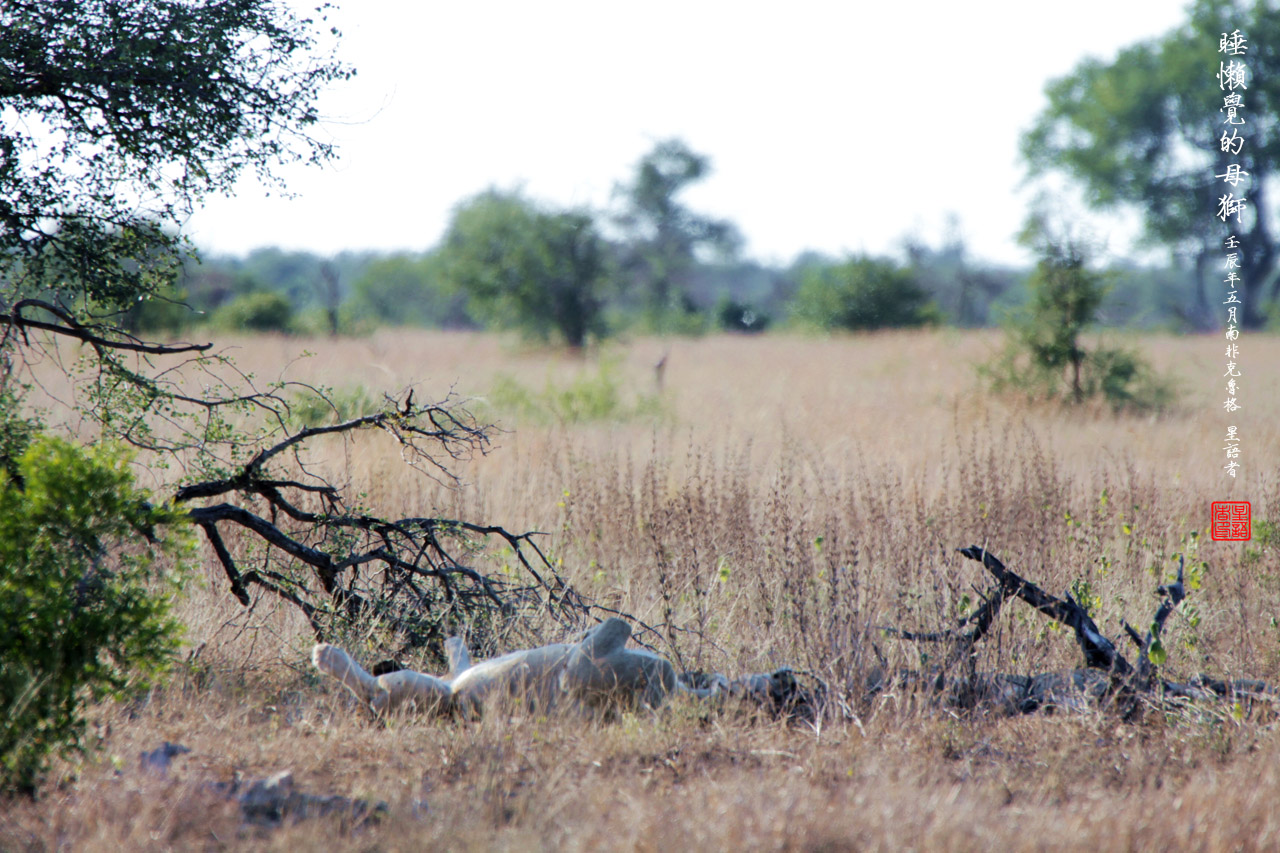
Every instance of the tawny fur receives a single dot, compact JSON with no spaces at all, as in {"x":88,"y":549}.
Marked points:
{"x":597,"y":673}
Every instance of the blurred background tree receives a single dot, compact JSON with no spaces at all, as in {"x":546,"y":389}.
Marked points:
{"x":525,"y":268}
{"x":405,"y":289}
{"x":663,"y":239}
{"x":1138,"y":134}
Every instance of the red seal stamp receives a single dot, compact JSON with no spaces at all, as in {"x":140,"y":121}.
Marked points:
{"x":1232,"y":521}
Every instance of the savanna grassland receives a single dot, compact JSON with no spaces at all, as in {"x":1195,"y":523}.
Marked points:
{"x":763,"y":501}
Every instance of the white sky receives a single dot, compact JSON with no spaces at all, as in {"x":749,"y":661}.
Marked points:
{"x":835,"y":126}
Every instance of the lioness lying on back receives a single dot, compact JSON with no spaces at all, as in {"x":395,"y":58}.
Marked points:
{"x":597,"y":672}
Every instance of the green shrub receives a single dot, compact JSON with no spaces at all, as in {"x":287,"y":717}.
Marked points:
{"x":1044,"y":356}
{"x":735,"y":316}
{"x":263,"y":311}
{"x":165,"y":311}
{"x":591,"y":396}
{"x":862,"y":293}
{"x":82,"y":600}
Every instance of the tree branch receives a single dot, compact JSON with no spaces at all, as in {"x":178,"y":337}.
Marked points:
{"x":1099,"y":652}
{"x":74,"y":329}
{"x":224,"y":557}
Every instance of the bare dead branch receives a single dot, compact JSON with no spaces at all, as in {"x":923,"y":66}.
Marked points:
{"x":321,"y":561}
{"x":1099,"y":652}
{"x":228,"y":564}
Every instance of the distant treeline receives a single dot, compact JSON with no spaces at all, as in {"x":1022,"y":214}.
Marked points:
{"x":650,"y":265}
{"x":353,"y":292}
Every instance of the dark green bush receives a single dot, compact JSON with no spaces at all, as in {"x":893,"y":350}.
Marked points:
{"x":735,"y":316}
{"x":165,"y":311}
{"x":263,"y":311}
{"x":862,"y":293}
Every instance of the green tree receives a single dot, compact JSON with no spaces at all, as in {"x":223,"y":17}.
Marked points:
{"x":1044,"y":354}
{"x":860,"y":293}
{"x":1065,"y":296}
{"x":119,"y":115}
{"x":80,"y":606}
{"x":404,"y":289}
{"x":663,"y":237}
{"x":1146,"y":131}
{"x":526,"y":268}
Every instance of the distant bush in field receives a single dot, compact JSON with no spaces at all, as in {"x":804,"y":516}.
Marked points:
{"x":163,"y":312}
{"x":1044,"y":357}
{"x":735,"y":316}
{"x":859,"y":294}
{"x":591,"y":396}
{"x":330,"y":406}
{"x":263,"y":311}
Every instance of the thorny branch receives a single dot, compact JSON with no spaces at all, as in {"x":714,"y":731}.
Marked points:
{"x":424,"y":583}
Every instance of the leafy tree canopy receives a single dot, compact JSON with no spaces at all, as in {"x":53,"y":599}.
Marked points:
{"x":119,"y":115}
{"x":526,"y":268}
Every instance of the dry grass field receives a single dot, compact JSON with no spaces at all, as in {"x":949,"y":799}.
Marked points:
{"x":772,"y":499}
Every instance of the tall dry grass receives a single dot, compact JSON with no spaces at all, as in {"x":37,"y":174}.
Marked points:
{"x":791,"y":495}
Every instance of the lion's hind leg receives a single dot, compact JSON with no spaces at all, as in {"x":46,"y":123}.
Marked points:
{"x":333,"y":661}
{"x":406,"y":688}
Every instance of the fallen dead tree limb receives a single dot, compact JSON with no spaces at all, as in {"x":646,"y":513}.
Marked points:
{"x":1099,"y":652}
{"x":1108,"y":678}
